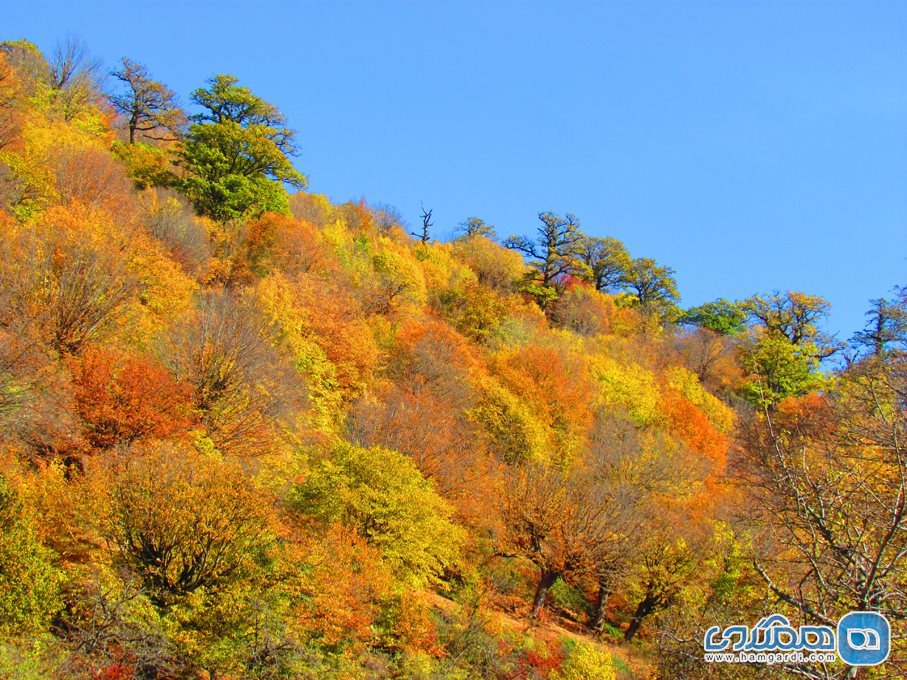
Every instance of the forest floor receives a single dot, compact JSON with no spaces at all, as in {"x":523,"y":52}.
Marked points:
{"x":630,"y":662}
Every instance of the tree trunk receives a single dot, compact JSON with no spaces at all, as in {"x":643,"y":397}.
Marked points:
{"x":645,"y":607}
{"x":545,"y":582}
{"x":601,"y":606}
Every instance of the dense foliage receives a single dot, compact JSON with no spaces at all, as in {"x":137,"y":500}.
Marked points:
{"x":248,"y":432}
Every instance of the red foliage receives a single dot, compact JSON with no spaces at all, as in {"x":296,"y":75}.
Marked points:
{"x":534,"y":664}
{"x":123,"y":398}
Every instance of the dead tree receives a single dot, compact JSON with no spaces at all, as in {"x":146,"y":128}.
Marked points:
{"x":426,"y":224}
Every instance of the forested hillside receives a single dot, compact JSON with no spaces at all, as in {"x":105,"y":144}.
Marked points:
{"x":249,"y":432}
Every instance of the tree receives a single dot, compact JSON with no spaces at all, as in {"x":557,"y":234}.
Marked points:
{"x":425,"y":216}
{"x":827,"y":498}
{"x":651,"y":284}
{"x":186,"y":521}
{"x":29,"y":583}
{"x":777,"y":369}
{"x":72,"y":77}
{"x":381,"y":494}
{"x":795,"y":316}
{"x":124,"y":399}
{"x":607,"y":261}
{"x":147,"y":105}
{"x":617,"y":467}
{"x":721,"y":316}
{"x":473,"y":227}
{"x":785,"y":346}
{"x":886,"y":329}
{"x":28,"y":64}
{"x":237,"y":153}
{"x":240,"y":387}
{"x":583,"y":311}
{"x":556,"y":520}
{"x":668,"y":563}
{"x":70,"y":274}
{"x":554,"y":253}
{"x":9,"y":94}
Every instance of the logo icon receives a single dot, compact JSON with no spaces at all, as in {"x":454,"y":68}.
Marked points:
{"x":864,"y":638}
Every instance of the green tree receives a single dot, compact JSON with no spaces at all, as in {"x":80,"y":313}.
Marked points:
{"x":721,"y":316}
{"x":786,"y":346}
{"x":237,"y":154}
{"x":778,"y":368}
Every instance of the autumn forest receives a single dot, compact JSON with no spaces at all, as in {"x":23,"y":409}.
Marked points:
{"x":248,"y":432}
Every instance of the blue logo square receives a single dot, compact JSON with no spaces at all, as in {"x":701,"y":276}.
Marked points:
{"x":864,"y":638}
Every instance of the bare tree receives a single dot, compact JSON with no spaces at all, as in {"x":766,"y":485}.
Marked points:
{"x":242,"y":388}
{"x":425,"y":216}
{"x":148,"y":107}
{"x":829,"y":497}
{"x":73,"y":76}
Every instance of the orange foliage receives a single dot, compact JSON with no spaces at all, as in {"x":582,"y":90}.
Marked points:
{"x":337,"y":326}
{"x":811,"y":413}
{"x":357,"y":215}
{"x":345,"y":587}
{"x":123,"y":399}
{"x":556,"y":386}
{"x":692,"y":425}
{"x":277,"y":242}
{"x":432,"y":348}
{"x":92,"y":177}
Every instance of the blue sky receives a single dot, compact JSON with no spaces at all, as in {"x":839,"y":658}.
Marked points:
{"x":750,"y":145}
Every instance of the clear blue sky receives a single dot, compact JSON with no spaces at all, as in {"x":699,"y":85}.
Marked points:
{"x":750,"y":145}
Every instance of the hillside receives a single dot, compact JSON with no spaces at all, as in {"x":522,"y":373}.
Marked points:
{"x":249,"y":432}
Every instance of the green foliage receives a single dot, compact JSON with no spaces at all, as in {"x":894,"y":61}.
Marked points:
{"x":32,"y":658}
{"x":537,"y":393}
{"x":29,"y":582}
{"x":382,"y":495}
{"x":567,"y":596}
{"x":652,"y":285}
{"x":721,"y":316}
{"x":236,"y":154}
{"x":778,"y":369}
